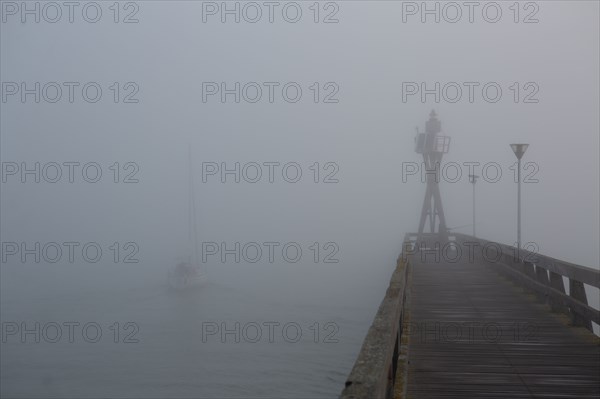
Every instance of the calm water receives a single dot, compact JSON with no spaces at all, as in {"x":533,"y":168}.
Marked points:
{"x":175,"y":356}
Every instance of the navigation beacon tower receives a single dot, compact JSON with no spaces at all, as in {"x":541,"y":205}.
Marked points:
{"x":433,"y":147}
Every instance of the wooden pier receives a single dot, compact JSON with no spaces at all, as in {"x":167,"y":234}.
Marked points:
{"x":469,"y":318}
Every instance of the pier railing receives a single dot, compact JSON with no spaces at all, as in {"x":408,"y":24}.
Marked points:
{"x":544,"y":275}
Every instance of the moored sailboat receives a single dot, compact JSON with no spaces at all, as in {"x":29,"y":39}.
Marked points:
{"x":189,"y":273}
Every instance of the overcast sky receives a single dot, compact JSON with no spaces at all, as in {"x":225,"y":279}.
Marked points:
{"x":369,"y":55}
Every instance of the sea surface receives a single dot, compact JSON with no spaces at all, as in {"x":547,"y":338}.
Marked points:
{"x":270,"y":332}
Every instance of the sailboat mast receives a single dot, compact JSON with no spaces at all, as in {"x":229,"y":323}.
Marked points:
{"x":189,"y":213}
{"x":192,"y":223}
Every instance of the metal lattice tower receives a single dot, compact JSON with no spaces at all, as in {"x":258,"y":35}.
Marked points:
{"x":433,"y":147}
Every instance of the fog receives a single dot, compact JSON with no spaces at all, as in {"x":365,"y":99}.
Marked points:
{"x":357,"y":208}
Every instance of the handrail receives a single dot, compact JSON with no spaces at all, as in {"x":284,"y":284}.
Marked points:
{"x":584,"y":274}
{"x":544,"y":275}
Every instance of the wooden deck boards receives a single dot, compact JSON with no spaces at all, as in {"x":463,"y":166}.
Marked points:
{"x":474,"y":334}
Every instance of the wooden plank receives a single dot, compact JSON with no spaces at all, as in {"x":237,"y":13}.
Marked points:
{"x":556,"y":282}
{"x":577,"y":291}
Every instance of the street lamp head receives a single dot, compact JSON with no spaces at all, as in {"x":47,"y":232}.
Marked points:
{"x":519,"y":149}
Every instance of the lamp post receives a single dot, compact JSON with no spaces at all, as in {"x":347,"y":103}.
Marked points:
{"x":519,"y":150}
{"x":473,"y":180}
